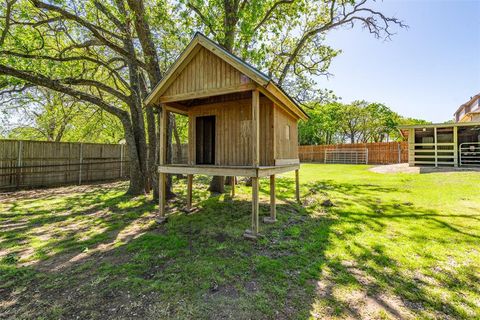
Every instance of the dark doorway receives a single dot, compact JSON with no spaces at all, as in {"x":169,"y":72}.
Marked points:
{"x":205,"y":140}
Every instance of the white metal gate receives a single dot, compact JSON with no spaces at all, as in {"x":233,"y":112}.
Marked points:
{"x":353,"y":156}
{"x":470,"y":154}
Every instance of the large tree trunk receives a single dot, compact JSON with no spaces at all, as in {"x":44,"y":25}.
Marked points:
{"x":229,"y":24}
{"x":137,"y":177}
{"x":217,"y":184}
{"x":154,"y":76}
{"x":178,"y":142}
{"x":152,"y":152}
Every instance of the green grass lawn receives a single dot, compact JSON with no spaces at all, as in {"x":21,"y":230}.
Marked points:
{"x":392,"y":246}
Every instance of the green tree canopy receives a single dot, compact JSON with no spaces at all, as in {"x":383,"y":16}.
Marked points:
{"x":109,"y":54}
{"x":358,"y":122}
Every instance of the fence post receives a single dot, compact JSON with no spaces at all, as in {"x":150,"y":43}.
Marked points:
{"x":325,"y":156}
{"x":19,"y":163}
{"x":80,"y":162}
{"x":121,"y":161}
{"x":399,"y":152}
{"x":366,"y":156}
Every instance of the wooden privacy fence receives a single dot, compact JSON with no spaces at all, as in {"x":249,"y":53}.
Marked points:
{"x":25,"y":164}
{"x":378,"y":153}
{"x":39,"y":163}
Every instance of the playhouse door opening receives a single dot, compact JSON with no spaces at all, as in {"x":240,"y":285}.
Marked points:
{"x":205,"y":140}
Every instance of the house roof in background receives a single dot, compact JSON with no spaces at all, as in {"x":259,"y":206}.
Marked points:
{"x":469,"y":102}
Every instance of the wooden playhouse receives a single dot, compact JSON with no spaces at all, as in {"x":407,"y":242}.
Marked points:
{"x":240,"y":123}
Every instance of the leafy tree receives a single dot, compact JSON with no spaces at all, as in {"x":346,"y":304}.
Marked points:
{"x":110,"y":54}
{"x":378,"y":122}
{"x":98,"y":52}
{"x":323,"y":125}
{"x":286,"y":38}
{"x":47,"y":115}
{"x":358,"y":122}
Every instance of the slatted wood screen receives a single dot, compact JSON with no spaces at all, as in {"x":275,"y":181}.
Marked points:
{"x":37,"y":163}
{"x":378,"y":153}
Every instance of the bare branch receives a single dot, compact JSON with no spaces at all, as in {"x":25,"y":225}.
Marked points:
{"x":370,"y":22}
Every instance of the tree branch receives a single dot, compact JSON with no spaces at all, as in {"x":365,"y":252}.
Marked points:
{"x":95,"y":30}
{"x":203,"y":18}
{"x":67,"y":59}
{"x":146,"y":42}
{"x":369,"y":22}
{"x":7,"y":21}
{"x":96,"y":84}
{"x":42,"y":81}
{"x":270,"y":12}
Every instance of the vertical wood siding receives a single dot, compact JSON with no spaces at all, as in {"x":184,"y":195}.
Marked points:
{"x":285,"y":147}
{"x":206,"y":72}
{"x":233,"y":132}
{"x":38,"y":163}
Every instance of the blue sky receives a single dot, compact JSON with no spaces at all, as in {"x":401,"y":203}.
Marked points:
{"x":425,"y":72}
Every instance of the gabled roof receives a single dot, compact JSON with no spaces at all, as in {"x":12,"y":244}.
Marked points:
{"x":266,"y":84}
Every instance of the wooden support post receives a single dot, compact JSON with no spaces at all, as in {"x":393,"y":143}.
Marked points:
{"x":122,"y":151}
{"x":233,"y":186}
{"x":19,"y":163}
{"x":256,"y":128}
{"x":80,"y":164}
{"x":163,"y":136}
{"x":255,"y":206}
{"x":191,"y":140}
{"x":273,"y":209}
{"x":162,"y":198}
{"x":163,"y":127}
{"x":399,"y":150}
{"x":435,"y":145}
{"x":411,"y":147}
{"x":253,"y":232}
{"x":455,"y":146}
{"x":297,"y":186}
{"x":189,"y":191}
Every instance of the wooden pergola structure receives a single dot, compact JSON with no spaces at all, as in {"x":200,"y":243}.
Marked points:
{"x":240,"y":123}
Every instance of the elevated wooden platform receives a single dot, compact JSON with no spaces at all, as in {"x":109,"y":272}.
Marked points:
{"x":240,"y":171}
{"x":240,"y":123}
{"x":233,"y":171}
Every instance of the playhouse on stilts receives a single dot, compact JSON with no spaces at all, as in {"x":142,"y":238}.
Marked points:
{"x":240,"y":123}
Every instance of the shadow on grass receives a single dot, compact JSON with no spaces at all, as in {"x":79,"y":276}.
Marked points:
{"x":425,"y":169}
{"x":198,"y":265}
